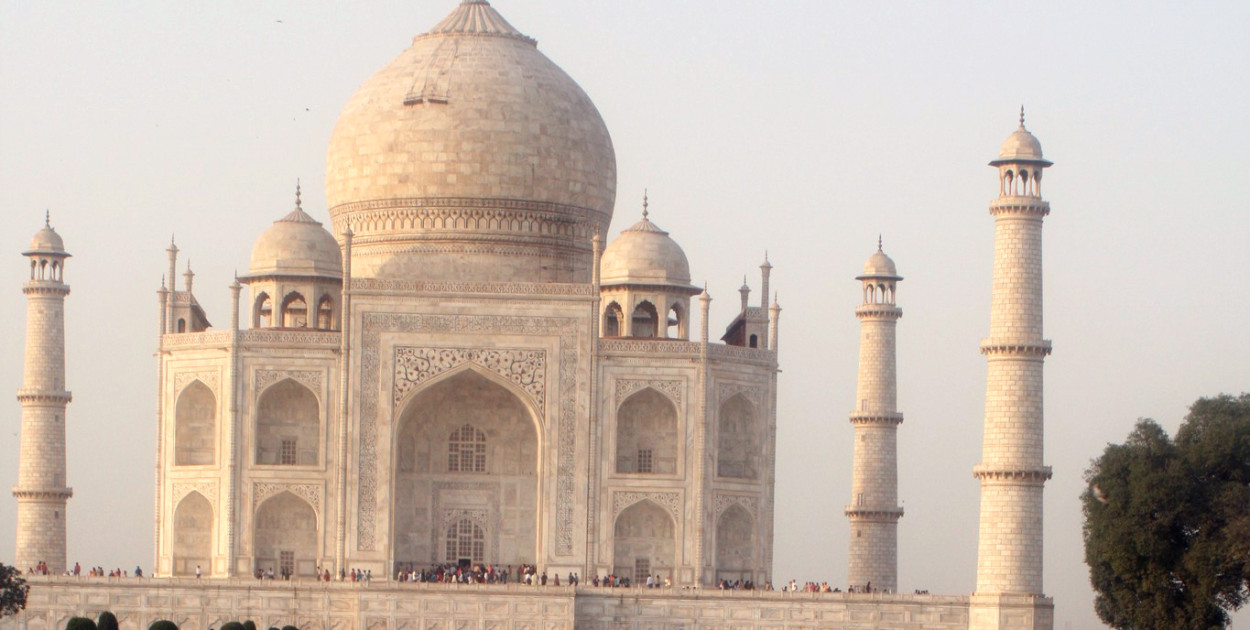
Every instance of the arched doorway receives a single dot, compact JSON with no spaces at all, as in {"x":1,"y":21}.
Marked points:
{"x":466,"y":459}
{"x":285,"y":536}
{"x":644,"y":543}
{"x":193,"y":535}
{"x":735,"y":545}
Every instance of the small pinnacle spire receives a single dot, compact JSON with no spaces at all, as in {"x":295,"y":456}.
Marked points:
{"x":645,"y":203}
{"x":47,"y":218}
{"x":298,"y":204}
{"x":162,"y":282}
{"x":878,"y":242}
{"x":1022,"y":116}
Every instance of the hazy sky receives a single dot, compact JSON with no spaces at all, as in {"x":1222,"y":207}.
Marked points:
{"x":802,"y":127}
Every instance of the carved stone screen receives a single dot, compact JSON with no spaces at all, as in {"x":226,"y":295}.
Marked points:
{"x":195,"y":435}
{"x":497,"y":491}
{"x":646,"y":421}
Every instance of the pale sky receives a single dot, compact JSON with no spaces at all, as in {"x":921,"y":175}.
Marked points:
{"x":805,"y":128}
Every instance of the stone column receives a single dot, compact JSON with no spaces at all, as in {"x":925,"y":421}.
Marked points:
{"x":41,"y":491}
{"x":874,"y":510}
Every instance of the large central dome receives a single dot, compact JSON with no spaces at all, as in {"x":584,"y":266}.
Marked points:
{"x":471,"y":156}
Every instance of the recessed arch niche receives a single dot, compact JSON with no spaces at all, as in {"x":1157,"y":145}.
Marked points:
{"x":644,"y":542}
{"x":195,"y":426}
{"x":285,"y":536}
{"x":467,"y":443}
{"x":738,"y":440}
{"x":288,"y":425}
{"x":193,"y":534}
{"x":735,"y":544}
{"x":646,"y":434}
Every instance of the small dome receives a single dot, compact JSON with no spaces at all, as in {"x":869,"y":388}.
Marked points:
{"x":1021,"y":146}
{"x":645,"y":254}
{"x":296,"y":245}
{"x":47,"y":241}
{"x":879,"y":266}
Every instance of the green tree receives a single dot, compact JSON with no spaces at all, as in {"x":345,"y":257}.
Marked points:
{"x":80,"y":623}
{"x":1167,"y":522}
{"x":13,"y":590}
{"x":106,"y":621}
{"x":163,"y":624}
{"x":231,"y":625}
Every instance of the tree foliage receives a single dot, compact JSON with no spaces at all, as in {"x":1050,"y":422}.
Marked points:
{"x":13,"y":590}
{"x":163,"y":624}
{"x":106,"y":621}
{"x":1167,"y":522}
{"x":80,"y":623}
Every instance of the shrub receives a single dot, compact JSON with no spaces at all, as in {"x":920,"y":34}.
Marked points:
{"x":80,"y":623}
{"x":231,"y":625}
{"x":249,"y":625}
{"x":163,"y":624}
{"x":106,"y":621}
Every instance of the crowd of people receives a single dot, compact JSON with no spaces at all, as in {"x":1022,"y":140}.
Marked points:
{"x":41,"y":568}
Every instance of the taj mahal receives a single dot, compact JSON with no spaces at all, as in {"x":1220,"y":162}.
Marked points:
{"x":454,"y":366}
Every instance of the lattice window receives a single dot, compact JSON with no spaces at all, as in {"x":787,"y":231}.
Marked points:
{"x":466,"y":450}
{"x":287,"y":456}
{"x":286,"y":562}
{"x":465,"y":540}
{"x":644,"y":460}
{"x":642,"y":569}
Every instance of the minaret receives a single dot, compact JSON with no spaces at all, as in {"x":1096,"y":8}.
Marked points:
{"x":874,"y":509}
{"x":41,"y":492}
{"x":1009,"y":554}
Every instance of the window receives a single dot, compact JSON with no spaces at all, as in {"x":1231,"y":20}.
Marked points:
{"x":466,"y":451}
{"x":287,"y":456}
{"x":286,"y":562}
{"x":465,"y":540}
{"x":644,"y":460}
{"x":642,"y":569}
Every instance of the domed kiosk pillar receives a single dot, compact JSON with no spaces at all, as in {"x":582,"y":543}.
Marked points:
{"x":874,"y":510}
{"x":1009,"y":554}
{"x":41,"y":491}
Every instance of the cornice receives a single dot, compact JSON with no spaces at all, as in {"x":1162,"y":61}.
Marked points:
{"x":40,"y":396}
{"x":43,"y":493}
{"x":893,"y":418}
{"x":863,"y":513}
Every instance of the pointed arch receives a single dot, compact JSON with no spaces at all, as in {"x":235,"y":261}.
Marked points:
{"x":195,"y":426}
{"x":645,"y":320}
{"x":193,"y":534}
{"x":613,"y":320}
{"x":738,"y":439}
{"x":262,"y":311}
{"x":294,"y":313}
{"x":646,"y":434}
{"x":735,"y":544}
{"x":469,"y":415}
{"x":288,"y":425}
{"x":325,"y":313}
{"x":284,"y":535}
{"x":644,"y":542}
{"x":675,"y":325}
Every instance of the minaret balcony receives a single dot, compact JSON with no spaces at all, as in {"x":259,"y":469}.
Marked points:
{"x":42,"y":493}
{"x":1017,"y":347}
{"x":874,"y":513}
{"x":892,"y":418}
{"x":1037,"y":475}
{"x":44,"y":396}
{"x":1019,"y":206}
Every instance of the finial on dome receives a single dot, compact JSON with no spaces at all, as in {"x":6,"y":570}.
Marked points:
{"x":645,"y":203}
{"x":1022,"y":116}
{"x":47,"y":218}
{"x":298,"y":204}
{"x":879,"y":243}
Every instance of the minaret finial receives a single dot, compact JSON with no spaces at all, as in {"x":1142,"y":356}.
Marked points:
{"x":47,"y":218}
{"x":645,"y":203}
{"x":878,"y":242}
{"x":1022,"y":116}
{"x":298,"y":205}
